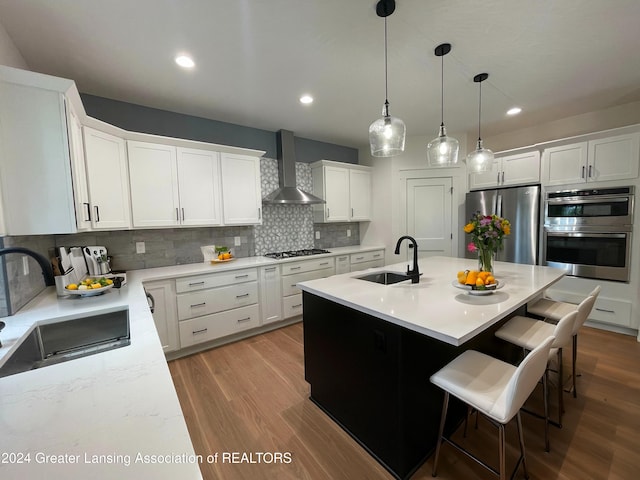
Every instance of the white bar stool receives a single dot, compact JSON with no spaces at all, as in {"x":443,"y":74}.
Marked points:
{"x":554,"y":311}
{"x":528,"y":333}
{"x":495,"y":389}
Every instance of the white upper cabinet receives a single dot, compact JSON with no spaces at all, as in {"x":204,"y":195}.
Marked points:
{"x":173,"y":186}
{"x":154,"y":184}
{"x":108,"y":179}
{"x":241,"y":193}
{"x":199,"y":186}
{"x":78,"y":171}
{"x":35,"y":165}
{"x":346,"y":190}
{"x":612,"y":158}
{"x":508,"y":170}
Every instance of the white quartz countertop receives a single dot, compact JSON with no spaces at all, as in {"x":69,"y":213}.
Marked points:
{"x":434,"y":307}
{"x":111,"y":415}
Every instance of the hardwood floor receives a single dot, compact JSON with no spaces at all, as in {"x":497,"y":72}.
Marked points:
{"x":250,"y":397}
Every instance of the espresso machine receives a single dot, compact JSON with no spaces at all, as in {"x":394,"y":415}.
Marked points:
{"x":98,"y":264}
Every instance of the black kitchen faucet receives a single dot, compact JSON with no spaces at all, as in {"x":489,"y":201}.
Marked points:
{"x":415,"y":272}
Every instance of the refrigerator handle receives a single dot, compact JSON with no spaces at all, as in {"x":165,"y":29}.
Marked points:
{"x":499,"y":205}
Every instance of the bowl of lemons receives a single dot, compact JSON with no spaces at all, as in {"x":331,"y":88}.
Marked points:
{"x":89,"y":286}
{"x":476,"y":282}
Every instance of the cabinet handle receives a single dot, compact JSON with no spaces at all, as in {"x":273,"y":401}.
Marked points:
{"x":324,"y":263}
{"x":582,"y":174}
{"x":605,"y":310}
{"x":183,"y":214}
{"x":259,"y":214}
{"x":342,"y":259}
{"x":196,"y":332}
{"x":503,"y":177}
{"x":590,"y":170}
{"x":88,"y":219}
{"x":242,"y":276}
{"x":97,"y":213}
{"x":198,"y":304}
{"x":177,"y":215}
{"x":294,"y":268}
{"x":242,"y":296}
{"x":359,"y":258}
{"x":272,"y":269}
{"x":498,"y":178}
{"x":352,"y":212}
{"x":297,"y":305}
{"x":196,"y":283}
{"x":328,"y":212}
{"x":240,"y":320}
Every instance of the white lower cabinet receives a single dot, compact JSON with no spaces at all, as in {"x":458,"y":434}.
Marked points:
{"x":301,"y":271}
{"x":343,"y":264}
{"x":163,"y":297}
{"x":215,"y":305}
{"x":270,"y":294}
{"x":364,"y":260}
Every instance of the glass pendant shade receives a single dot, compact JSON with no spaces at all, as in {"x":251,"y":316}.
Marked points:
{"x":443,"y":151}
{"x":480,"y":160}
{"x":386,"y":135}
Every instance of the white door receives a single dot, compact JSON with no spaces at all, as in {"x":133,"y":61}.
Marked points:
{"x":336,"y":194}
{"x":429,"y":215}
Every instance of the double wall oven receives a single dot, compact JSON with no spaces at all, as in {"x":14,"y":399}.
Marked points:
{"x":588,"y":232}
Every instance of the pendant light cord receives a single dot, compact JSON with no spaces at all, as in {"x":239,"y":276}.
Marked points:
{"x":386,"y":81}
{"x":479,"y":110}
{"x":442,"y":91}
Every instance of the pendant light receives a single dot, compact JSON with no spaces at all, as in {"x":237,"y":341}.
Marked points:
{"x":387,"y":134}
{"x":481,"y":159}
{"x":442,"y":151}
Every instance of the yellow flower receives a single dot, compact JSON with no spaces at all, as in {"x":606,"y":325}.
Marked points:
{"x":469,"y":227}
{"x":506,"y":229}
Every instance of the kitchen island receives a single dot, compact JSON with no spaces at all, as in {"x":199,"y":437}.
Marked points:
{"x":371,"y":348}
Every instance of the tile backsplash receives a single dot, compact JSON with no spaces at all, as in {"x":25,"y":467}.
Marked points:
{"x":284,"y":227}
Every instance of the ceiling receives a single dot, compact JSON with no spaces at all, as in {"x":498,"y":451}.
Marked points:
{"x":255,"y":58}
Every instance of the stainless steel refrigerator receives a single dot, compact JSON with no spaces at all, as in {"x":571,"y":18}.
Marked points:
{"x":519,"y":205}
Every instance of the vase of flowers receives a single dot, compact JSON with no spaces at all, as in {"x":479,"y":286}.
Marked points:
{"x":487,"y":234}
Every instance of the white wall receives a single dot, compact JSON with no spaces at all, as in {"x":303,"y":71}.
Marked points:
{"x":388,"y":210}
{"x":9,"y":54}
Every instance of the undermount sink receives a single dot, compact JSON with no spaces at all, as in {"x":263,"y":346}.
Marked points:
{"x":52,"y":343}
{"x":385,"y":278}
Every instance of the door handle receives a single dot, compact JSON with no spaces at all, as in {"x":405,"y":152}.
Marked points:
{"x":88,"y":219}
{"x":97,"y":213}
{"x":582,"y":174}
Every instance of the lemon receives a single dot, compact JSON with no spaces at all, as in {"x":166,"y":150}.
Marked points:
{"x":72,"y":286}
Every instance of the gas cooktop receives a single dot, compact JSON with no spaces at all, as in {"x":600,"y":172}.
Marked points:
{"x":296,"y":253}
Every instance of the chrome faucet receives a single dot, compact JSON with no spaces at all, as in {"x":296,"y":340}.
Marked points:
{"x":415,"y":272}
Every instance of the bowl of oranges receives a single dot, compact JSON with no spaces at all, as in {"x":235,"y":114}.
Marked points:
{"x":476,"y":282}
{"x":223,"y":255}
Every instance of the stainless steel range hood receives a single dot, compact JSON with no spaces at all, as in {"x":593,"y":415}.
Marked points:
{"x":288,"y":193}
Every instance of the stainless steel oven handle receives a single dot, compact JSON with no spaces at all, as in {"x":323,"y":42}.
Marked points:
{"x":555,"y":233}
{"x":599,"y":199}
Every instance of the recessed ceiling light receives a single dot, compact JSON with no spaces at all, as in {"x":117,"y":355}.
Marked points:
{"x":185,"y":62}
{"x":514,"y":111}
{"x":306,"y":99}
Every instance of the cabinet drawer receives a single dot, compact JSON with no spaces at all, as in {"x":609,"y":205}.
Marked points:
{"x":364,"y":265}
{"x":307,"y":265}
{"x":204,"y":302}
{"x":199,"y":282}
{"x":289,"y":282}
{"x":342,"y":264}
{"x":612,"y":311}
{"x":210,"y":327}
{"x":367,"y":256}
{"x":292,"y":306}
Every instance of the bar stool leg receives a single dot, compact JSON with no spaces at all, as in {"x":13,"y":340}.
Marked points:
{"x":574,"y":358}
{"x":545,"y":393}
{"x":445,"y":405}
{"x":521,"y":440}
{"x":501,"y":448}
{"x":560,"y":388}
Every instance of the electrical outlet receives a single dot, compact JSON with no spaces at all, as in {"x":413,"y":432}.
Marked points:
{"x":140,"y":247}
{"x":237,"y":242}
{"x":317,"y":235}
{"x":25,"y":265}
{"x":348,"y":232}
